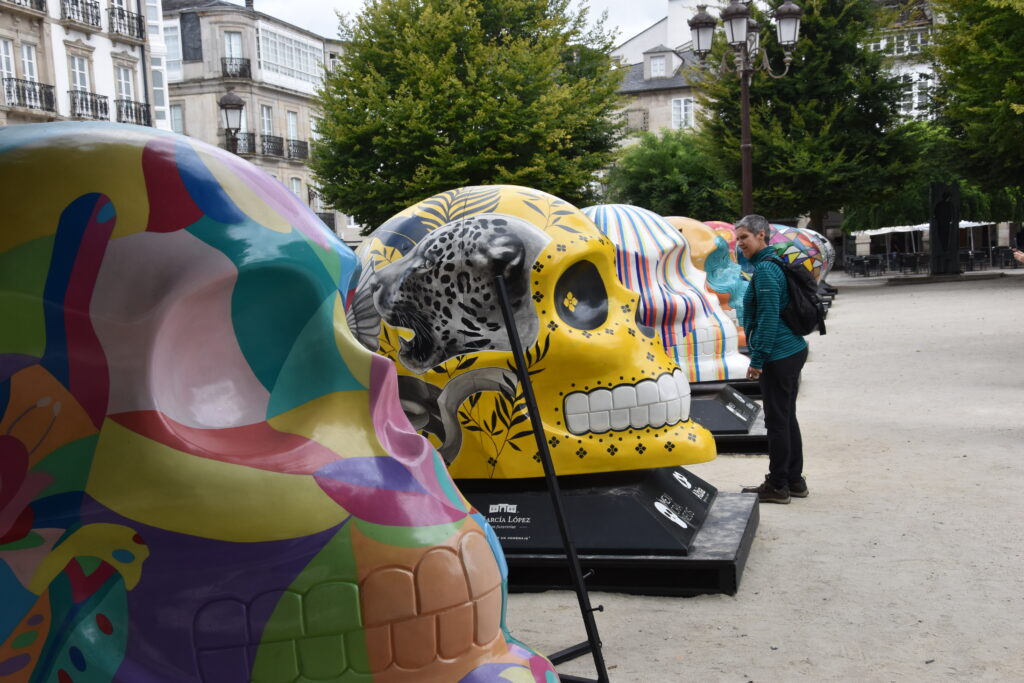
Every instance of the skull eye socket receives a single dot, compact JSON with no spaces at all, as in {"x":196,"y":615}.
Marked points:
{"x":580,"y":297}
{"x":645,"y":329}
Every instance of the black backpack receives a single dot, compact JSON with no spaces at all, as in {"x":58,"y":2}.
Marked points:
{"x":805,"y":312}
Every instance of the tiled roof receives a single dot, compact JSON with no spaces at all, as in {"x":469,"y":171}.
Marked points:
{"x":634,"y":81}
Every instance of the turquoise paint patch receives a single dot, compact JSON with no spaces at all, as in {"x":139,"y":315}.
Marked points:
{"x":492,"y":540}
{"x":124,"y":556}
{"x":550,"y":677}
{"x":447,"y":485}
{"x":106,"y":213}
{"x":282,"y":284}
{"x":102,"y":653}
{"x":17,"y":602}
{"x":314,"y":368}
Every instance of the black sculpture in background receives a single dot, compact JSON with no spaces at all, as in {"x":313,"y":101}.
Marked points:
{"x":944,"y":228}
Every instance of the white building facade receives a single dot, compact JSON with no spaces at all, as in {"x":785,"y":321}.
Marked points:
{"x":75,"y":59}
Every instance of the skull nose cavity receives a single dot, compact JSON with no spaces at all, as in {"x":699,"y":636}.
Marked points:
{"x":648,"y":403}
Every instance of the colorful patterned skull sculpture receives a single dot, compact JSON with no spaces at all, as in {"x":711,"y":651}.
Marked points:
{"x":727,"y":232}
{"x":794,"y":245}
{"x":828,"y":252}
{"x":654,"y":258}
{"x":203,"y":477}
{"x":712,"y":255}
{"x":609,"y":396}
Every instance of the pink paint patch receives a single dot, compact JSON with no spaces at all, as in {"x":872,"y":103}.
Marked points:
{"x":394,"y":431}
{"x":259,"y":445}
{"x":87,"y":368}
{"x":162,"y":311}
{"x":391,"y":508}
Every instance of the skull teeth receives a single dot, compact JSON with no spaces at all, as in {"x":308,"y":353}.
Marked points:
{"x":649,"y":403}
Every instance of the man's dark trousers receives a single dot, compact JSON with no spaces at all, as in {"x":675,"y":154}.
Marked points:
{"x":780,"y":381}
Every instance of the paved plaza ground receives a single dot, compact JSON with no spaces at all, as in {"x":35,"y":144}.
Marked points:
{"x":906,"y":561}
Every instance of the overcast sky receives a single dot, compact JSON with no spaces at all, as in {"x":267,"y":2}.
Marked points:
{"x":630,"y":16}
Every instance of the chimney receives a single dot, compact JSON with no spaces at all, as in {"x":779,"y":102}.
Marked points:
{"x":248,"y":4}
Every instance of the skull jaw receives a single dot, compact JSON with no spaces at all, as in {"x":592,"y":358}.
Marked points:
{"x":609,"y":452}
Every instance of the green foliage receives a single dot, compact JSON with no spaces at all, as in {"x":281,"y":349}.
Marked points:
{"x":432,"y":95}
{"x":980,"y":50}
{"x":938,"y":163}
{"x":826,"y":135}
{"x":671,"y":176}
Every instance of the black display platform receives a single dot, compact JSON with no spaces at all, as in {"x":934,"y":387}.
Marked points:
{"x":638,"y":512}
{"x":750,"y":388}
{"x":726,"y":412}
{"x":714,"y":564}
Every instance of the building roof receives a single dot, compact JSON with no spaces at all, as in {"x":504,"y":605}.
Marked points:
{"x":634,"y":81}
{"x":657,"y":48}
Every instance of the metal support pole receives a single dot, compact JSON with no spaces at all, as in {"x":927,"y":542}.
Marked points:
{"x":593,"y":639}
{"x":746,"y":146}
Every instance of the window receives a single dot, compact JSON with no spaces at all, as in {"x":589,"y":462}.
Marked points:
{"x":171,"y":37}
{"x":125,"y":78}
{"x":177,"y":119}
{"x":287,"y":56}
{"x":682,"y":112}
{"x":79,"y":72}
{"x":297,"y":186}
{"x":153,"y":17}
{"x":6,"y":58}
{"x":266,"y":120}
{"x":657,"y":66}
{"x":232,"y":44}
{"x":293,"y":125}
{"x":158,"y":87}
{"x":28,"y":63}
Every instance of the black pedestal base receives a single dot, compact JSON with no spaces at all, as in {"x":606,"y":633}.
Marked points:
{"x":714,"y":564}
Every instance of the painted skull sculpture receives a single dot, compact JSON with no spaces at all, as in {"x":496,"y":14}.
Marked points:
{"x":713,"y":255}
{"x":828,"y":252}
{"x":794,"y":245}
{"x":609,"y":397}
{"x":203,"y":477}
{"x":654,"y":258}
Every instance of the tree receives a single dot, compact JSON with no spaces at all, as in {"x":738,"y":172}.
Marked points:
{"x":432,"y":95}
{"x":826,"y":135}
{"x":938,"y":163}
{"x":980,"y":53}
{"x":669,"y":175}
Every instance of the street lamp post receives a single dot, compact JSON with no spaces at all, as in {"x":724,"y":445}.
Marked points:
{"x":231,"y":106}
{"x":743,"y":35}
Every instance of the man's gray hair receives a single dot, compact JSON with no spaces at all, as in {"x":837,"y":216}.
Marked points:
{"x":756,"y":223}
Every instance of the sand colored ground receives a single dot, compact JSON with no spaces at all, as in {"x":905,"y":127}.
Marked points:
{"x":906,"y":563}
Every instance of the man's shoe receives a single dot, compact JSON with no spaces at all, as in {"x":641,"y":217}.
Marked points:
{"x":766,"y":493}
{"x":798,"y":488}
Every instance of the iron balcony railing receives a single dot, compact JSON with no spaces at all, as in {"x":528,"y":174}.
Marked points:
{"x":89,"y":105}
{"x":82,"y":11}
{"x":244,"y":143}
{"x":298,"y":149}
{"x":130,"y":111}
{"x":37,"y":5}
{"x":29,"y":94}
{"x":272,"y":145}
{"x":127,"y":23}
{"x":235,"y":67}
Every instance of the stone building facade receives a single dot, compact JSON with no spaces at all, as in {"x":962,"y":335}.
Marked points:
{"x":214,"y":47}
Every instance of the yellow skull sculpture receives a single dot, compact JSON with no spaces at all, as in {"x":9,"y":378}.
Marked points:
{"x":610,"y":397}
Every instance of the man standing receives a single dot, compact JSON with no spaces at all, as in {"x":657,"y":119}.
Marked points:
{"x":777,"y":355}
